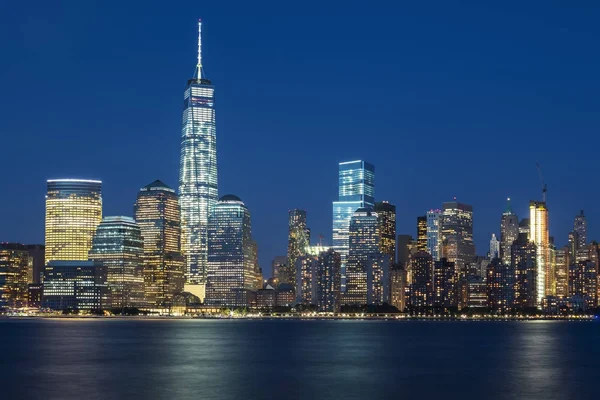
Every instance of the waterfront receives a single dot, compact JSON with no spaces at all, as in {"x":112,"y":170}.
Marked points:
{"x":100,"y":358}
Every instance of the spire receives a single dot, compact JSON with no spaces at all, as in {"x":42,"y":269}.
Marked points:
{"x":508,"y":207}
{"x":199,"y":66}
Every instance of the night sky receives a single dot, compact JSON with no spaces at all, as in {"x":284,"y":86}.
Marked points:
{"x":445,"y":100}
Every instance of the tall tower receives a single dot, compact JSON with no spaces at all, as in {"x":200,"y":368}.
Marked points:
{"x":197,"y":169}
{"x":538,"y":234}
{"x":509,"y":232}
{"x":157,"y":215}
{"x":457,"y":233}
{"x":73,"y":211}
{"x":494,"y":247}
{"x":422,"y":233}
{"x":580,"y":226}
{"x":386,"y":213}
{"x":433,"y":233}
{"x":298,"y":242}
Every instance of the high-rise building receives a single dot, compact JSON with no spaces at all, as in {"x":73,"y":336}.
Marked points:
{"x":421,"y":284}
{"x":471,"y":293}
{"x":37,"y":253}
{"x":230,"y":274}
{"x":403,"y":245}
{"x":583,"y":283}
{"x":509,"y":232}
{"x":119,"y":245}
{"x":15,"y":268}
{"x":279,"y":266}
{"x":329,"y":280}
{"x":74,"y":284}
{"x":524,"y":226}
{"x":398,"y":287}
{"x":306,"y":279}
{"x":494,"y":247}
{"x":444,"y":281}
{"x":524,"y":264}
{"x":422,"y":233}
{"x":198,"y":169}
{"x":156,"y":212}
{"x":500,"y":286}
{"x":562,"y":272}
{"x":367,"y":271}
{"x":538,"y":234}
{"x":298,"y":242}
{"x":433,"y":233}
{"x":580,"y":226}
{"x":73,"y":211}
{"x":356,"y":189}
{"x":457,"y":234}
{"x":386,"y":213}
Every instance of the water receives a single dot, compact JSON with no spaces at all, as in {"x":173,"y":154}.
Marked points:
{"x":290,"y":359}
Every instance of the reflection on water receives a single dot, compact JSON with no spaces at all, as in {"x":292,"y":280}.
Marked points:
{"x":243,"y":359}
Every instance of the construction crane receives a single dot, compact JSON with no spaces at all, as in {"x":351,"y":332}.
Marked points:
{"x":544,"y":186}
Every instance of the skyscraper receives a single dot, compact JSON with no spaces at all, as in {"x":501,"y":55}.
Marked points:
{"x":524,"y":264}
{"x":15,"y":268}
{"x":509,"y":232}
{"x":198,"y":169}
{"x":500,"y":286}
{"x":356,"y":189}
{"x":457,"y":234}
{"x":538,"y":234}
{"x":433,"y":233}
{"x":230,"y":273}
{"x":73,"y":211}
{"x":580,"y":226}
{"x":422,"y":233}
{"x":298,"y":242}
{"x":494,"y":247}
{"x":157,"y":214}
{"x":328,"y":280}
{"x":386,"y":213}
{"x":444,"y":281}
{"x":421,"y":282}
{"x":119,"y":245}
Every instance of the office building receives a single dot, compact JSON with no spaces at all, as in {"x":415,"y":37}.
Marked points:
{"x":74,"y":284}
{"x":538,"y":234}
{"x":156,"y":212}
{"x":15,"y":271}
{"x":298,"y":242}
{"x":500,"y":286}
{"x":524,"y":263}
{"x":73,"y":211}
{"x":494,"y":247}
{"x":329,"y":280}
{"x":509,"y":232}
{"x":444,"y":281}
{"x":421,"y":283}
{"x":198,"y":169}
{"x":403,"y":245}
{"x":422,"y":233}
{"x":562,"y":272}
{"x":580,"y":226}
{"x":37,"y":252}
{"x":398,"y":287}
{"x":119,"y":246}
{"x":583,"y":284}
{"x":279,"y":266}
{"x":471,"y":293}
{"x":306,"y":279}
{"x":386,"y":213}
{"x":230,"y":274}
{"x":457,"y":234}
{"x":433,"y":233}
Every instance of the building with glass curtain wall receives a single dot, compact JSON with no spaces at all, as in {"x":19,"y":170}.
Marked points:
{"x":457,"y":234}
{"x":74,"y":284}
{"x":298,"y":242}
{"x":15,"y":274}
{"x":119,"y":245}
{"x":156,"y":212}
{"x":386,"y":213}
{"x":230,"y":273}
{"x":433,"y":233}
{"x":539,"y":234}
{"x":73,"y":211}
{"x":198,"y":169}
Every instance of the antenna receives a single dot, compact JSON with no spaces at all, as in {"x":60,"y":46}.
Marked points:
{"x":199,"y":66}
{"x":544,"y":186}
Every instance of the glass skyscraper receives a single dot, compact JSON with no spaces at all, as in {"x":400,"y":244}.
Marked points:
{"x":198,"y":169}
{"x":230,"y":273}
{"x":457,"y":234}
{"x":298,"y":242}
{"x":433,"y":233}
{"x":73,"y":211}
{"x":119,"y":245}
{"x":356,"y":189}
{"x":538,"y":234}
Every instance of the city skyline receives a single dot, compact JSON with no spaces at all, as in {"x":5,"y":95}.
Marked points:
{"x":270,"y":221}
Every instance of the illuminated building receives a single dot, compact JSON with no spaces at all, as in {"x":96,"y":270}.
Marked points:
{"x":398,"y":287}
{"x":119,"y":245}
{"x":524,"y":263}
{"x":421,"y":284}
{"x":509,"y":232}
{"x":73,"y":211}
{"x":500,"y":286}
{"x":306,"y":279}
{"x":422,"y":233}
{"x":471,"y":293}
{"x":298,"y":242}
{"x":494,"y":247}
{"x":538,"y":234}
{"x":329,"y":280}
{"x":457,"y":234}
{"x":74,"y":284}
{"x":198,"y":170}
{"x":524,"y":226}
{"x":285,"y":295}
{"x":583,"y":283}
{"x":279,"y":266}
{"x":34,"y":293}
{"x":367,"y":273}
{"x":156,"y":212}
{"x":580,"y":226}
{"x":444,"y":279}
{"x":403,"y":246}
{"x":433,"y":233}
{"x":231,"y":268}
{"x":562,"y":272}
{"x":356,"y":189}
{"x":386,"y":213}
{"x":37,"y":253}
{"x":15,"y":268}
{"x":266,"y":297}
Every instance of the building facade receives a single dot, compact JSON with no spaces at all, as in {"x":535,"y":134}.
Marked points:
{"x":386,"y":213}
{"x":494,"y":247}
{"x":15,"y":275}
{"x":118,"y":244}
{"x":457,"y":234}
{"x":198,"y":186}
{"x":524,"y":263}
{"x":298,"y":242}
{"x":77,"y":285}
{"x":538,"y":234}
{"x":509,"y":232}
{"x":433,"y":233}
{"x":156,"y":213}
{"x":444,"y":282}
{"x":230,"y":274}
{"x":422,"y":233}
{"x":500,"y":286}
{"x":580,"y":226}
{"x":421,"y":282}
{"x":73,"y":211}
